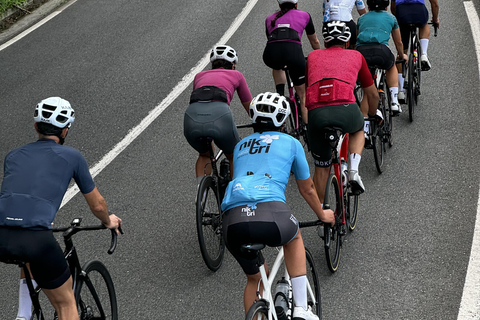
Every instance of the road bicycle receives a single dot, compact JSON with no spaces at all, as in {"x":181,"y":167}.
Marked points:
{"x":414,"y":70}
{"x":279,"y":304}
{"x":379,"y":135}
{"x":211,"y":190}
{"x":339,"y":197}
{"x":92,"y":284}
{"x":294,"y":125}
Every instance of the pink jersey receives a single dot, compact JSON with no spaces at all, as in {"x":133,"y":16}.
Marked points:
{"x":294,"y":19}
{"x":331,"y":75}
{"x":228,"y":80}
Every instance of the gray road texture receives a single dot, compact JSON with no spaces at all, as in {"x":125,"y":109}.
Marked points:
{"x":117,"y":61}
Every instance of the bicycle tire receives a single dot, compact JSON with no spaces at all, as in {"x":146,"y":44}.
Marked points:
{"x":258,"y":311}
{"x":333,"y":235}
{"x":410,"y":90}
{"x":209,"y":223}
{"x":95,"y":293}
{"x":352,"y":211}
{"x":312,"y":278}
{"x":377,"y":143}
{"x":418,"y":72}
{"x":387,"y":116}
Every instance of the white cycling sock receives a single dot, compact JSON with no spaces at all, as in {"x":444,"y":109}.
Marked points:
{"x":24,"y":300}
{"x":299,"y":290}
{"x":366,"y":124}
{"x":354,"y":161}
{"x":424,"y":45}
{"x":394,"y":94}
{"x":401,"y":81}
{"x":199,"y":179}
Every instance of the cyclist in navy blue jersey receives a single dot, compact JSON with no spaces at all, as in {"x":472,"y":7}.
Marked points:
{"x":255,"y":205}
{"x":36,"y":177}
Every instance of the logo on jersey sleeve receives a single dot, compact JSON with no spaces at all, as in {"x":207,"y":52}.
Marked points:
{"x":256,"y":146}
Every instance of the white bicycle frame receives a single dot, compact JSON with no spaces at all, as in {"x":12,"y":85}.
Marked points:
{"x":268,"y":282}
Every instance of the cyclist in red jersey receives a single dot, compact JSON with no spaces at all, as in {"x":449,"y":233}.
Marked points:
{"x":331,"y":75}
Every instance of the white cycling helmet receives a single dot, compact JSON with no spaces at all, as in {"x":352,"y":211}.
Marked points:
{"x":283,"y":1}
{"x":55,"y":111}
{"x":269,"y":106}
{"x":224,"y":52}
{"x":336,"y":30}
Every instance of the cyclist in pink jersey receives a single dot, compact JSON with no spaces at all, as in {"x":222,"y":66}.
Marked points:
{"x":331,"y":75}
{"x":284,"y":30}
{"x":209,"y":114}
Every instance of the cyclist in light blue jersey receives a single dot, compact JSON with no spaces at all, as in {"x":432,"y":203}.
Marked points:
{"x":341,"y":10}
{"x":255,"y":205}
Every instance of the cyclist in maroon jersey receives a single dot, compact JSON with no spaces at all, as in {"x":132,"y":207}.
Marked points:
{"x":284,"y":31}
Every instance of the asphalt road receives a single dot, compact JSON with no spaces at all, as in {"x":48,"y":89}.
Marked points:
{"x":115,"y":62}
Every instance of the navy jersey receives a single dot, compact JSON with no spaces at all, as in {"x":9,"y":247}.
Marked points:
{"x":262,"y":164}
{"x":36,"y":177}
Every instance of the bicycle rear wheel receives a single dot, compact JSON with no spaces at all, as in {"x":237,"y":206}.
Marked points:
{"x":209,"y":223}
{"x":410,"y":87}
{"x":95,"y":293}
{"x":333,"y":235}
{"x":352,"y":211}
{"x":377,"y":143}
{"x":417,"y":73}
{"x":258,"y":311}
{"x":314,"y":299}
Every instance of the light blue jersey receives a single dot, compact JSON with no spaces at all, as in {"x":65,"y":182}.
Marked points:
{"x":262,"y":164}
{"x":375,"y":27}
{"x":340,"y":9}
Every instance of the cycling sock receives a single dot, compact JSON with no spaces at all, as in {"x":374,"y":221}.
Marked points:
{"x":354,"y":161}
{"x":24,"y":300}
{"x":199,"y":179}
{"x":280,"y":89}
{"x":401,"y":81}
{"x":366,"y":124}
{"x":299,"y":290}
{"x":394,"y":94}
{"x":424,"y":45}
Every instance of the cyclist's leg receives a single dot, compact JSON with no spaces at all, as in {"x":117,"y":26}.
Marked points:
{"x":273,"y":58}
{"x":296,"y":64}
{"x":226,"y":136}
{"x":280,"y":80}
{"x":63,"y":300}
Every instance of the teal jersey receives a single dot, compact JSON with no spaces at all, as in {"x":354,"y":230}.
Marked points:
{"x":375,"y":27}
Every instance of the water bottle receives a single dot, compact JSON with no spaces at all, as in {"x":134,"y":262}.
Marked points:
{"x":281,"y":299}
{"x":344,"y":172}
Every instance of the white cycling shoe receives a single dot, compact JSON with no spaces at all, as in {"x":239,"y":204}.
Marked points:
{"x":401,"y":97}
{"x":396,"y":108}
{"x":301,"y":314}
{"x":355,"y":182}
{"x":425,"y":63}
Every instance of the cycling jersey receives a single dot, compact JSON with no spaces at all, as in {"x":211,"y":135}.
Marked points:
{"x":293,"y":19}
{"x":263,"y":162}
{"x":36,"y":177}
{"x":340,"y":9}
{"x":331,"y":75}
{"x":228,"y":80}
{"x":375,"y":27}
{"x":397,"y":2}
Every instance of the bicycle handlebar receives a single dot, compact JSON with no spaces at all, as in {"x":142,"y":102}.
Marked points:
{"x":304,"y":224}
{"x":435,"y":28}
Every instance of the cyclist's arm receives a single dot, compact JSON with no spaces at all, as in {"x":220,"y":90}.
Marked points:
{"x":435,"y":8}
{"x":362,"y":11}
{"x":309,"y":193}
{"x":246,"y":105}
{"x":98,"y":206}
{"x":397,"y":40}
{"x":392,"y":7}
{"x":314,"y":42}
{"x":371,"y":94}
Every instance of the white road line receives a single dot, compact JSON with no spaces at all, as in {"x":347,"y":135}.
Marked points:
{"x":470,"y":304}
{"x":158,"y":110}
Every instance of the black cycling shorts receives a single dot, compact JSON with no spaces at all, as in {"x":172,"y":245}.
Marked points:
{"x":40,"y":249}
{"x":279,"y":54}
{"x":210,"y":119}
{"x":377,"y":55}
{"x":271,"y":223}
{"x":410,"y":13}
{"x":345,"y":116}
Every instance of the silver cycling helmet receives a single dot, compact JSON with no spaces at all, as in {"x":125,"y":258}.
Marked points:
{"x":224,"y":52}
{"x":269,"y":106}
{"x":284,"y":1}
{"x":336,"y":30}
{"x":55,"y":111}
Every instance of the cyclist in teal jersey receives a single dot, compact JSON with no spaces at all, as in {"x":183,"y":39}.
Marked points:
{"x":255,"y":205}
{"x":414,"y":12}
{"x":36,"y":177}
{"x":374,"y":30}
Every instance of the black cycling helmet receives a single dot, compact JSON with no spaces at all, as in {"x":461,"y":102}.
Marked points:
{"x":378,"y":4}
{"x":336,"y":30}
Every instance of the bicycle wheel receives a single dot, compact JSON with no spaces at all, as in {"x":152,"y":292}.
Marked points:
{"x":417,"y":72}
{"x":410,"y":87}
{"x":377,"y":142}
{"x":258,"y":311}
{"x":387,"y":116}
{"x":352,"y":211}
{"x":333,"y":235}
{"x":209,"y":223}
{"x":314,"y":299}
{"x":95,"y":293}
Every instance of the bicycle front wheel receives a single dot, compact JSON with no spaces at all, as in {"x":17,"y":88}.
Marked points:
{"x":209,"y":223}
{"x":258,"y":311}
{"x":333,"y":235}
{"x":95,"y":293}
{"x":314,"y":300}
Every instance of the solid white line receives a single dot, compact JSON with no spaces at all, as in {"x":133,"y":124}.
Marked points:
{"x":158,"y":110}
{"x":470,"y":304}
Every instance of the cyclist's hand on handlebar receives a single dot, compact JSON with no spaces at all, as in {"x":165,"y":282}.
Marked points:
{"x":115,"y":223}
{"x":328,"y":216}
